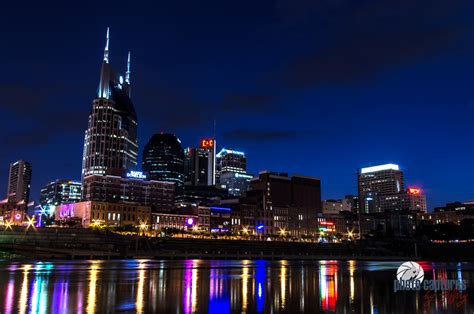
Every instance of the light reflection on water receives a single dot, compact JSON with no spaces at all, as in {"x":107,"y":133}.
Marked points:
{"x":204,"y":286}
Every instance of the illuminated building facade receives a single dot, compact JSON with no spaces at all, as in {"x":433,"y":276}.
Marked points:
{"x":203,"y":194}
{"x":163,"y":221}
{"x":220,"y":219}
{"x":411,"y":200}
{"x":19,"y":182}
{"x":110,"y":142}
{"x":200,"y":163}
{"x":163,"y":160}
{"x":235,"y":183}
{"x":300,"y":194}
{"x":336,"y":206}
{"x":134,"y":188}
{"x":231,"y":172}
{"x":376,"y":181}
{"x":97,"y":213}
{"x":60,"y":192}
{"x":229,"y":160}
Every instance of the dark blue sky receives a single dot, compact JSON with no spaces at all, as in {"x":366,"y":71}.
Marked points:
{"x":319,"y":88}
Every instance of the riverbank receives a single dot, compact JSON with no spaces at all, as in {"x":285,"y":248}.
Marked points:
{"x":67,"y":243}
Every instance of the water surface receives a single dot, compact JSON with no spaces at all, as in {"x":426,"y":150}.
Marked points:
{"x":204,"y":286}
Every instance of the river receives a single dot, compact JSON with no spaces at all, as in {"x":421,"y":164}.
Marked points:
{"x":224,"y":286}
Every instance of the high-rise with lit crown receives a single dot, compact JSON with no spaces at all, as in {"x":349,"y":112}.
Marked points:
{"x":110,"y":143}
{"x":375,"y":181}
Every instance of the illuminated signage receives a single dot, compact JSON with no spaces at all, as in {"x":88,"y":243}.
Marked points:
{"x":136,"y":175}
{"x":225,"y":151}
{"x":220,"y":208}
{"x":379,"y":168}
{"x":190,"y":221}
{"x":207,"y":143}
{"x":414,"y":191}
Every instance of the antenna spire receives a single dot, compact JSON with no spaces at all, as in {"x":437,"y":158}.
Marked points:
{"x":127,"y":74}
{"x":106,"y":50}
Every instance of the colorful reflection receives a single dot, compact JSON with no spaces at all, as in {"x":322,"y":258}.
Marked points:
{"x":245,"y":284}
{"x":190,"y":286}
{"x":9,"y":296}
{"x":283,"y":280}
{"x":91,"y":298}
{"x":218,"y":287}
{"x":260,"y":274}
{"x":219,"y":295}
{"x":351,"y":280}
{"x":24,"y":289}
{"x":328,"y":285}
{"x":39,"y":297}
{"x":60,"y":297}
{"x":140,"y":288}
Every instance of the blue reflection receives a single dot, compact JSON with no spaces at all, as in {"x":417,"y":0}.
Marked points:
{"x":260,"y":273}
{"x":219,"y":295}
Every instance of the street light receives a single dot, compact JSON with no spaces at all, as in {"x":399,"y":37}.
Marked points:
{"x":282,"y":232}
{"x":143,"y":226}
{"x":30,"y":223}
{"x":8,"y":225}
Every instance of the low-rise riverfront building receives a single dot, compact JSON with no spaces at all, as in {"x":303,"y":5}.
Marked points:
{"x":91,"y":213}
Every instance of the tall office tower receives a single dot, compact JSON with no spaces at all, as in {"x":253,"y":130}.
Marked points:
{"x":110,"y":143}
{"x":163,"y":160}
{"x":60,"y":192}
{"x":19,"y":182}
{"x":200,"y":164}
{"x":229,"y":160}
{"x":231,"y":171}
{"x":376,"y":181}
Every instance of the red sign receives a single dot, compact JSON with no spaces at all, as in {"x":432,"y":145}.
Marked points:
{"x":414,"y":191}
{"x":207,"y":143}
{"x":326,"y":223}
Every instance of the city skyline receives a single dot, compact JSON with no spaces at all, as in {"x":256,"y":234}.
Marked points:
{"x":326,"y":151}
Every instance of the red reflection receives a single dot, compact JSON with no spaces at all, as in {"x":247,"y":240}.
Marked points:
{"x":328,"y":285}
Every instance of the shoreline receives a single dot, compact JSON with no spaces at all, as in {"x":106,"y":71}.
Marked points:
{"x":81,"y":244}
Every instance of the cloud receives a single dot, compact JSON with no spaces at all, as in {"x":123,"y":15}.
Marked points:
{"x":35,"y":116}
{"x":176,"y":108}
{"x":247,"y":102}
{"x":353,"y":43}
{"x":267,"y":135}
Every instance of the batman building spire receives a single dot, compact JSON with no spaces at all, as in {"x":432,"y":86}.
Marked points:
{"x":110,"y":142}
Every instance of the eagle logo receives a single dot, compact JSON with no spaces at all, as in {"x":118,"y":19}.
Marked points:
{"x":409,"y":272}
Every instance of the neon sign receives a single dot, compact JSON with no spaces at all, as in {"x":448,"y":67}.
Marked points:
{"x":136,"y":175}
{"x":414,"y":191}
{"x":190,"y":221}
{"x":207,"y":143}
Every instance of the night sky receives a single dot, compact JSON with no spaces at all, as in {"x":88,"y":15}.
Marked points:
{"x":315,"y":87}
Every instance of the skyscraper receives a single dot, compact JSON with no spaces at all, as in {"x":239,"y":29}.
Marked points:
{"x":19,"y":182}
{"x":110,"y":143}
{"x":163,"y":160}
{"x":231,"y":171}
{"x":229,"y":160}
{"x":200,"y":163}
{"x":376,"y":181}
{"x":60,"y":192}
